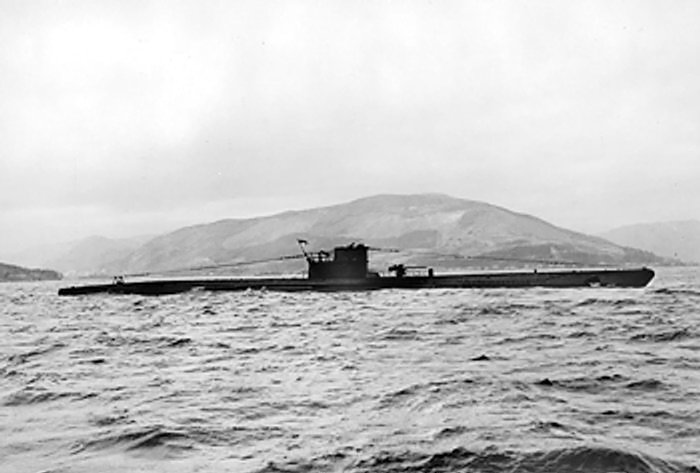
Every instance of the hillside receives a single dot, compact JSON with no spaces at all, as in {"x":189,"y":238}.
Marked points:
{"x":9,"y":272}
{"x":432,"y":229}
{"x":679,"y":240}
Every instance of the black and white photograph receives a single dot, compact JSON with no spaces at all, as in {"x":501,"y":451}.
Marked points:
{"x":362,"y":236}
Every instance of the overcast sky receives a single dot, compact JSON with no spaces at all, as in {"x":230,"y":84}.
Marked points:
{"x":130,"y":117}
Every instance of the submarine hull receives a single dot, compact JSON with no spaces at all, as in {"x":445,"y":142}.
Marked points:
{"x":519,"y":279}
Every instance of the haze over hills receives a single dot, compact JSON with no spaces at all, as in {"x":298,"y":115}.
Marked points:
{"x":679,"y":240}
{"x":91,"y":255}
{"x":433,"y":229}
{"x":95,"y":254}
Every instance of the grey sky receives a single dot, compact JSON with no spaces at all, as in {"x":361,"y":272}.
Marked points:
{"x":129,"y":117}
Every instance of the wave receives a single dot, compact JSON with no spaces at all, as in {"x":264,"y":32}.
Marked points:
{"x":646,"y":385}
{"x":589,"y":459}
{"x":449,"y":432}
{"x":163,"y":341}
{"x":602,"y":383}
{"x":423,"y":392}
{"x":28,"y":396}
{"x":400,"y":334}
{"x":666,"y":336}
{"x":642,"y":416}
{"x":677,"y":292}
{"x":623,"y":302}
{"x":599,"y":459}
{"x":582,"y":334}
{"x":17,"y":359}
{"x":173,"y":441}
{"x":168,"y":442}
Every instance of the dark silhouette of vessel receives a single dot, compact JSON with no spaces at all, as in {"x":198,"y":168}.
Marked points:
{"x":347,"y":270}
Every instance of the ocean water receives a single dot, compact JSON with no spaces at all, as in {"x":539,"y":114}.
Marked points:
{"x":532,"y":380}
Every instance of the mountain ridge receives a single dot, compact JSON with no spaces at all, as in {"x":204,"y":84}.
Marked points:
{"x":417,"y":223}
{"x":678,"y":239}
{"x":430,"y":229}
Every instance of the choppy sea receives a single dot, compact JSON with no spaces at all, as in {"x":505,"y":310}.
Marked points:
{"x":531,"y":380}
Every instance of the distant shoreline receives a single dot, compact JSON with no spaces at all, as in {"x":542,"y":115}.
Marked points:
{"x":13,"y":273}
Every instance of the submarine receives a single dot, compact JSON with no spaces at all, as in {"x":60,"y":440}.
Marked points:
{"x":347,"y":269}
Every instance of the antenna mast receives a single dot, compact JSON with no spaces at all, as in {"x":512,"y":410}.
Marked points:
{"x":302,"y":246}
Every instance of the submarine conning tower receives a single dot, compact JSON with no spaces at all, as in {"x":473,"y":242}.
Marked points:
{"x":348,"y":262}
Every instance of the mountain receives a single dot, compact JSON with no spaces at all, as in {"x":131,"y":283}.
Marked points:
{"x":434,"y":229}
{"x":680,"y":240}
{"x":10,"y":272}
